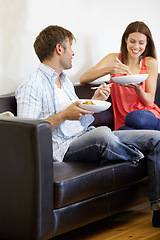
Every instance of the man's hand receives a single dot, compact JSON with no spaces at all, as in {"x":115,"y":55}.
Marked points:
{"x":103,"y":92}
{"x":74,"y":112}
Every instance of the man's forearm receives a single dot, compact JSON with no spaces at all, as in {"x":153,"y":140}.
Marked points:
{"x":56,"y":120}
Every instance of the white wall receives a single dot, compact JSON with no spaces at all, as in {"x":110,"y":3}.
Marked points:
{"x":97,"y":25}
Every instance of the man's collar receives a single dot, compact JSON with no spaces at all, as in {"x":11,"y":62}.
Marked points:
{"x":47,"y":70}
{"x":50,"y":72}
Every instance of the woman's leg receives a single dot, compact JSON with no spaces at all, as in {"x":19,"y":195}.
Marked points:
{"x":142,"y":119}
{"x":125,"y":128}
{"x":100,"y":143}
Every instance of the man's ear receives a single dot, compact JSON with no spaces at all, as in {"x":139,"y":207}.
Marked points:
{"x":58,"y":49}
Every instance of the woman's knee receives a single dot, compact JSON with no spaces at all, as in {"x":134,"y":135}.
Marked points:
{"x":141,"y":119}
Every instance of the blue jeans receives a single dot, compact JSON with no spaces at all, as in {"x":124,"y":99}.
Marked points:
{"x":141,"y":119}
{"x":101,"y":143}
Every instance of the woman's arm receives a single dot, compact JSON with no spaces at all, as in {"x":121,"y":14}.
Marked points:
{"x":151,"y":84}
{"x":101,"y":69}
{"x":147,"y":98}
{"x":108,"y":65}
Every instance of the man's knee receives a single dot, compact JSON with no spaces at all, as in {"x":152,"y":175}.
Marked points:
{"x":104,"y":135}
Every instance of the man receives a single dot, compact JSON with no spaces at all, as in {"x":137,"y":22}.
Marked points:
{"x":49,"y":94}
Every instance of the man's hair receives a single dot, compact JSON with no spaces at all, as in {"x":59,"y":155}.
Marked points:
{"x":48,"y":38}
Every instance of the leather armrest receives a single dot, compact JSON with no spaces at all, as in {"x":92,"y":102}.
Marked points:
{"x":157,"y":95}
{"x":26,"y":178}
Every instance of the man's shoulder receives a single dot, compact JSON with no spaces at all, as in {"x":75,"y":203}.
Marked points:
{"x":34,"y":81}
{"x":34,"y":78}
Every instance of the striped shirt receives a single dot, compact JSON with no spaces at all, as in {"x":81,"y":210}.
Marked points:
{"x":40,"y":98}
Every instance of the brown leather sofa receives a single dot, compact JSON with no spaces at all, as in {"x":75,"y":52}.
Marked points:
{"x":40,"y":198}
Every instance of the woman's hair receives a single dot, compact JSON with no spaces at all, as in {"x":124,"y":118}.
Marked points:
{"x":141,"y":28}
{"x":48,"y":38}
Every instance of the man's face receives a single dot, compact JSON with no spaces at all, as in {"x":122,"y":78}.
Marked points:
{"x":67,"y":55}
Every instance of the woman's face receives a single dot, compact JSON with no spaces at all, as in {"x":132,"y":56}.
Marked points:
{"x":136,"y":44}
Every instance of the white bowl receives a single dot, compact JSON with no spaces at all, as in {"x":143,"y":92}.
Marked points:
{"x":98,"y":107}
{"x":130,"y":79}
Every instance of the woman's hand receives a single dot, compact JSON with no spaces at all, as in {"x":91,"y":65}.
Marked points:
{"x":103,"y":92}
{"x":120,"y":68}
{"x":135,"y":86}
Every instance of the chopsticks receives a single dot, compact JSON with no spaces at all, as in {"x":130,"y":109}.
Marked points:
{"x":121,"y":62}
{"x":108,"y":85}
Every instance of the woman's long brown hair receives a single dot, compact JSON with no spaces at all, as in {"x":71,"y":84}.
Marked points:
{"x":141,"y":28}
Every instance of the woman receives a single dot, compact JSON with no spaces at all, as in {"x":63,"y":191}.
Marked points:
{"x":133,"y":104}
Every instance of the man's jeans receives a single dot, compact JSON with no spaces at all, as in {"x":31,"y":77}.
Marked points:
{"x":101,"y":143}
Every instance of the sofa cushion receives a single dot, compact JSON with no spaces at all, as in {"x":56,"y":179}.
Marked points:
{"x":74,"y":182}
{"x":7,"y":114}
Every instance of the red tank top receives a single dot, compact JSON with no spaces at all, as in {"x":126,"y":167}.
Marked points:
{"x":125,"y":100}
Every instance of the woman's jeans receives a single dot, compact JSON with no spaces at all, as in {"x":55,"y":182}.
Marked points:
{"x":103,"y":144}
{"x":141,"y":119}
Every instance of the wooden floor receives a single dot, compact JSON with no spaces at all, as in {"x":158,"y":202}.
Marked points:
{"x":133,"y":224}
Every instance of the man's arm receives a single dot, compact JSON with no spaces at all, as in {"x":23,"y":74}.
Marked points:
{"x":103,"y":92}
{"x":73,"y":112}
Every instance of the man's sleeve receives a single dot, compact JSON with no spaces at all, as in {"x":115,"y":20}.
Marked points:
{"x":28,"y":102}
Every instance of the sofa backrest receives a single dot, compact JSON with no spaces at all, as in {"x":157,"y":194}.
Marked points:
{"x":157,"y":96}
{"x":105,"y":118}
{"x":8,"y":103}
